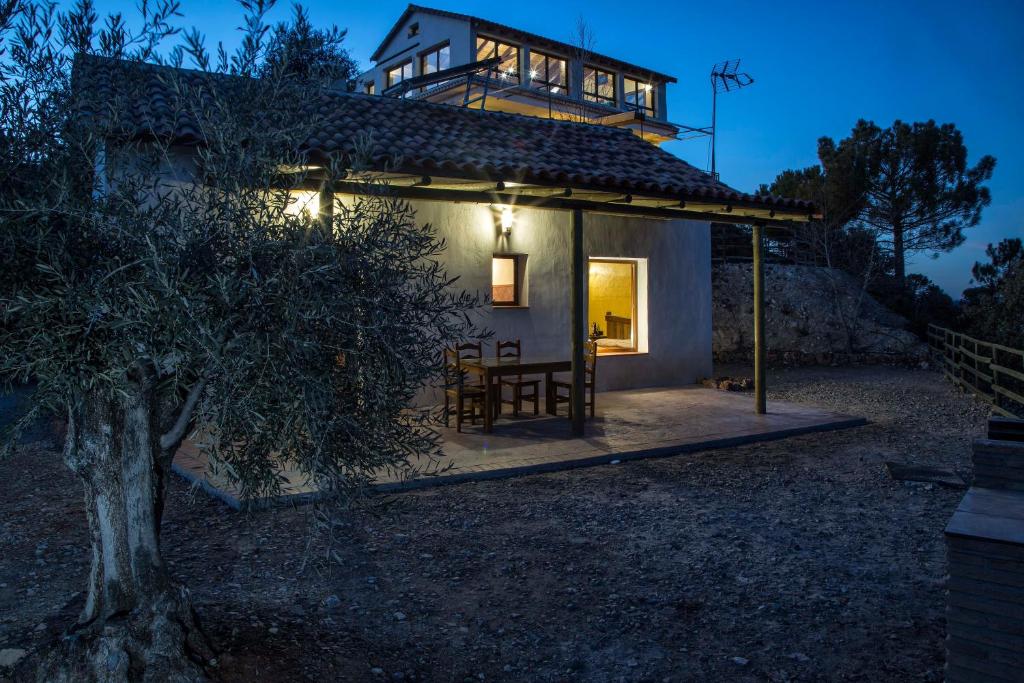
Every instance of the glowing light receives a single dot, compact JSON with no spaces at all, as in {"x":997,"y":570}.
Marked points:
{"x":647,"y":87}
{"x":506,"y":220}
{"x":533,"y":73}
{"x":303,"y":202}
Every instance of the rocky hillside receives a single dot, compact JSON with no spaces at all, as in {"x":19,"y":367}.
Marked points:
{"x":813,"y":315}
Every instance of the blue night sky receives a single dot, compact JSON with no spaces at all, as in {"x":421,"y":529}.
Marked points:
{"x":818,"y":68}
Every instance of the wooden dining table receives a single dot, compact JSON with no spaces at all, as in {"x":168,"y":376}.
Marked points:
{"x":492,"y":369}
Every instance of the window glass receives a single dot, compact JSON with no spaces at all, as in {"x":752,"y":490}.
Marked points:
{"x":399,"y":73}
{"x":612,"y":305}
{"x":371,"y":88}
{"x":436,"y":60}
{"x":598,"y":85}
{"x":638,"y":95}
{"x":548,"y":72}
{"x":487,"y":48}
{"x":504,"y":281}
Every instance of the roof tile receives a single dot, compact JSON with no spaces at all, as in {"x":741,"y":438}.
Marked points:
{"x":470,"y":142}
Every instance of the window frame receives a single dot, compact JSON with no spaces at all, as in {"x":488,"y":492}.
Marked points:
{"x":432,"y":52}
{"x":370,"y":88}
{"x":517,"y":295}
{"x":543,"y":83}
{"x":648,"y":95}
{"x":595,"y":96}
{"x":516,"y":76}
{"x":400,"y":67}
{"x":634,"y":265}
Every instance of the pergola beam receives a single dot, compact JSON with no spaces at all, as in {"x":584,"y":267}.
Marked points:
{"x":616,"y":207}
{"x":578,"y":320}
{"x":510,"y":192}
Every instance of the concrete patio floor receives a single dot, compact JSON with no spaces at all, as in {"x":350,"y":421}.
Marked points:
{"x":629,"y":425}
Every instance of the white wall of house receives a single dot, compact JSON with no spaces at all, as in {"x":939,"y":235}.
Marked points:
{"x":678,"y":284}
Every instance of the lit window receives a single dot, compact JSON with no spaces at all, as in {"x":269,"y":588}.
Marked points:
{"x":436,"y":60}
{"x":598,"y":86}
{"x":612,"y":306}
{"x":549,"y":73}
{"x":638,"y":95}
{"x":505,"y":280}
{"x":370,"y":88}
{"x":399,"y":73}
{"x":488,"y":48}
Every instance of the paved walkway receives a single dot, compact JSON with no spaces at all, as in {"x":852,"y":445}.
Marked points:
{"x":629,"y":425}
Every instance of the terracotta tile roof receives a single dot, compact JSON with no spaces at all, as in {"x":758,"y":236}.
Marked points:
{"x":441,"y":140}
{"x":516,"y":34}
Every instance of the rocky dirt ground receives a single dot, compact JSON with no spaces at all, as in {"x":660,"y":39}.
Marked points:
{"x":792,"y":560}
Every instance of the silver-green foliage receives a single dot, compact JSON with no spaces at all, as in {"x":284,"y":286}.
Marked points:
{"x":133,"y":264}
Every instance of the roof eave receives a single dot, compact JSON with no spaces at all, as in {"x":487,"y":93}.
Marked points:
{"x":486,"y":24}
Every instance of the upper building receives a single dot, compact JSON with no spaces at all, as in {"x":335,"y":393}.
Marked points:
{"x":462,"y":60}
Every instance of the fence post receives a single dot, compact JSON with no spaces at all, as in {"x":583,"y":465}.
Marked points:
{"x":995,"y":378}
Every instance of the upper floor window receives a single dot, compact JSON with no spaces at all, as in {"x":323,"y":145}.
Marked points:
{"x":399,"y":73}
{"x":436,"y":60}
{"x":548,"y":72}
{"x":487,"y":48}
{"x":638,"y":95}
{"x":598,"y":86}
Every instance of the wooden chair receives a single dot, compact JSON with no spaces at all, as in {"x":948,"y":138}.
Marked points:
{"x":513,"y":349}
{"x":589,"y":380}
{"x":466,"y":396}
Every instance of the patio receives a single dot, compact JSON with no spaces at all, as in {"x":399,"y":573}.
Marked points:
{"x":630,"y":425}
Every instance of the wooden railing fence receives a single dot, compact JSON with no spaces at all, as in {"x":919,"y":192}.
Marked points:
{"x":993,"y":372}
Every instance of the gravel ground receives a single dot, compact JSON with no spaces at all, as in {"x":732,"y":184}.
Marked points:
{"x":791,"y":560}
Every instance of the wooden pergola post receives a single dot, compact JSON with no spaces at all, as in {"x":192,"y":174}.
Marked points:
{"x":578,"y":320}
{"x":759,"y":331}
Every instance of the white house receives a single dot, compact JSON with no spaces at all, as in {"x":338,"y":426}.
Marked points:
{"x":575,"y":229}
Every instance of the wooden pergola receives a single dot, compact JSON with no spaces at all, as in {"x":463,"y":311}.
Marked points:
{"x":564,"y":195}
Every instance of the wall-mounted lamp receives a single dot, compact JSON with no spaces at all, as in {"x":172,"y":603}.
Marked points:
{"x":506,"y":220}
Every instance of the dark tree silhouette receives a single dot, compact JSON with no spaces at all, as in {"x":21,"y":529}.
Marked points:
{"x":994,"y":309}
{"x":921,"y":193}
{"x":300,"y":50}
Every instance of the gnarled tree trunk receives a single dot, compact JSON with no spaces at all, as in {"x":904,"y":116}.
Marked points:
{"x":136,"y":624}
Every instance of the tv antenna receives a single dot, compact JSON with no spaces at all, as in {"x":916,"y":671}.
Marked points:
{"x":725,"y":77}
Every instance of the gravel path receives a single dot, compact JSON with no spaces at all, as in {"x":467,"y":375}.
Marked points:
{"x":792,"y":560}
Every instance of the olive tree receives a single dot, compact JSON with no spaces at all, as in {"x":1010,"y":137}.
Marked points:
{"x":160,"y":280}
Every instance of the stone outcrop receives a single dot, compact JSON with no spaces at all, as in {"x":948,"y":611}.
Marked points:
{"x":813,"y":315}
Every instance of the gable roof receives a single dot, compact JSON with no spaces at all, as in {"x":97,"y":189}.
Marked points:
{"x":418,"y":137}
{"x":515,"y":33}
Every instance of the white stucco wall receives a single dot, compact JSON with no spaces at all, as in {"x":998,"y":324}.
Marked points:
{"x":678,"y":257}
